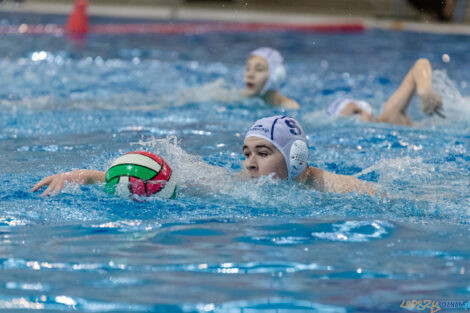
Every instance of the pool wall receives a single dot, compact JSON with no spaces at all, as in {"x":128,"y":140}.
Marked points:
{"x":398,"y":19}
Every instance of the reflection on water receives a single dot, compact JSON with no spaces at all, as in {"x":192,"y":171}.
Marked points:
{"x":230,"y":265}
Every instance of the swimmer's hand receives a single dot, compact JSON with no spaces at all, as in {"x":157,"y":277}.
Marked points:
{"x":431,"y":102}
{"x":56,"y":182}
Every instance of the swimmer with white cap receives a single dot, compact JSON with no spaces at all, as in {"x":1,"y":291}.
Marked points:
{"x":277,"y":145}
{"x":418,"y":80}
{"x":264,"y":74}
{"x":274,"y":145}
{"x":347,"y":106}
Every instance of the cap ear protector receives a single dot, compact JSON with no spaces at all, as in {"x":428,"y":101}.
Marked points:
{"x":298,"y":157}
{"x":298,"y":153}
{"x":278,"y":75}
{"x":275,"y":79}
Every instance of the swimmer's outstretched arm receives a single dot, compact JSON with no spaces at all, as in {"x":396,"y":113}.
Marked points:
{"x":419,"y":80}
{"x":56,"y":182}
{"x":329,"y":182}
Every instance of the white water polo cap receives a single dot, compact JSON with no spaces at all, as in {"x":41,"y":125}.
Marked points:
{"x":277,"y":71}
{"x":338,"y":105}
{"x":286,"y":134}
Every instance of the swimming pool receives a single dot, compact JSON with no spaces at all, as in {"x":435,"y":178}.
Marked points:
{"x":222,"y":245}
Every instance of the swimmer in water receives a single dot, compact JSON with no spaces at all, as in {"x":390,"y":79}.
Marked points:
{"x":264,"y":74}
{"x":417,"y":81}
{"x":274,"y":145}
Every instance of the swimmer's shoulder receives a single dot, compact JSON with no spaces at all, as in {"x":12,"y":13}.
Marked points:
{"x":276,"y":99}
{"x":313,"y":177}
{"x":290,"y":104}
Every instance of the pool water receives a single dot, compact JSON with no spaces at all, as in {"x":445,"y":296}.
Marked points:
{"x":224,"y":245}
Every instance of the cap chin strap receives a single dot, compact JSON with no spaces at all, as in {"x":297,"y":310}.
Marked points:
{"x":298,"y":158}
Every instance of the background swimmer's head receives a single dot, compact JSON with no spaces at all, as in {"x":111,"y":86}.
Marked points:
{"x":264,"y":71}
{"x":349,"y":107}
{"x":275,"y":144}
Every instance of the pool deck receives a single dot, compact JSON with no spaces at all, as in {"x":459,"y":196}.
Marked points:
{"x":227,"y":14}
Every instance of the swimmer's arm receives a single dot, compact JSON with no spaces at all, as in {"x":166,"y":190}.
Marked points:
{"x":431,"y":101}
{"x":419,"y":80}
{"x":56,"y":182}
{"x":218,"y":90}
{"x":329,"y":182}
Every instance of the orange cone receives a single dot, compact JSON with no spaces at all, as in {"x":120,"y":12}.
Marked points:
{"x":78,"y":19}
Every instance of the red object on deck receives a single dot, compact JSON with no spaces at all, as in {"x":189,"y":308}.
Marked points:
{"x":78,"y":19}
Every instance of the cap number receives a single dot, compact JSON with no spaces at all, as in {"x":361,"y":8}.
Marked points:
{"x":294,"y":128}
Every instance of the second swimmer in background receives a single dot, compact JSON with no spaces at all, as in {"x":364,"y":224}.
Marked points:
{"x":264,"y":74}
{"x":417,"y":81}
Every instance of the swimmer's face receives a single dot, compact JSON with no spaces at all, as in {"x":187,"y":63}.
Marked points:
{"x":263,"y":158}
{"x":256,"y":75}
{"x":352,"y":109}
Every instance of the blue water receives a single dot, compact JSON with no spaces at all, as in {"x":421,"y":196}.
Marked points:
{"x":225,"y":245}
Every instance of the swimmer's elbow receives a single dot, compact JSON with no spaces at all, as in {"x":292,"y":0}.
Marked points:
{"x":422,"y":62}
{"x":353,"y":184}
{"x":366,"y":188}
